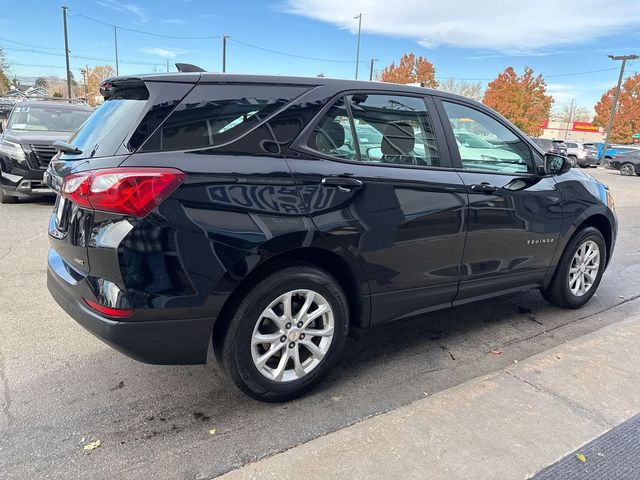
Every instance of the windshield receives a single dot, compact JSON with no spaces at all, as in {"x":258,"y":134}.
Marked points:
{"x":471,"y":140}
{"x":47,"y":118}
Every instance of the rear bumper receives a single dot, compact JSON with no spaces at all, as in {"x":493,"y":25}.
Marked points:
{"x":161,"y":342}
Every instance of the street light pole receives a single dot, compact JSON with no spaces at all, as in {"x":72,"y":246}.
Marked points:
{"x":66,"y":50}
{"x":624,"y":59}
{"x":224,"y":53}
{"x":371,"y":68}
{"x":566,"y":131}
{"x":115,"y":40}
{"x":359,"y":17}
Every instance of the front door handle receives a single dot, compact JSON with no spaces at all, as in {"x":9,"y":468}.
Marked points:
{"x":345,"y":184}
{"x":484,"y":187}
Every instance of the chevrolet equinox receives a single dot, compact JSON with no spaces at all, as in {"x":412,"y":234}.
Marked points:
{"x":269,"y":215}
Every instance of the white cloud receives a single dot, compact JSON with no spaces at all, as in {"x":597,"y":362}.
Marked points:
{"x":164,"y":52}
{"x":131,"y":8}
{"x":174,"y":21}
{"x":499,"y":25}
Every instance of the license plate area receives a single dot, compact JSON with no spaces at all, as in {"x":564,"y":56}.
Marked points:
{"x":61,"y":210}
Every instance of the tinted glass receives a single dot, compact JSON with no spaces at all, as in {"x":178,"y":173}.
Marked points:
{"x":486,"y":144}
{"x":333,"y":135}
{"x":103,"y":133}
{"x":393,"y":129}
{"x":571,"y":145}
{"x":47,"y":118}
{"x":213,"y":114}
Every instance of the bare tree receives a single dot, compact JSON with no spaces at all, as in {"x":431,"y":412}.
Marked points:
{"x":462,"y":87}
{"x":578,"y":114}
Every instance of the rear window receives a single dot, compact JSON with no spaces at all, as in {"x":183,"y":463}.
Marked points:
{"x":127,"y":117}
{"x":49,"y":118}
{"x":215,"y":114}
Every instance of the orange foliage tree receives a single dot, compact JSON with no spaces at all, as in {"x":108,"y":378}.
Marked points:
{"x":411,"y":69}
{"x":520,"y":98}
{"x":627,"y":119}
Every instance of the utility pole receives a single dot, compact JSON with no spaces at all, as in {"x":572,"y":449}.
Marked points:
{"x":371,"y":68}
{"x":359,"y":17}
{"x":624,"y":59}
{"x":167,"y":65}
{"x":224,"y":52}
{"x":115,"y":40}
{"x":566,"y":132}
{"x":66,"y":50}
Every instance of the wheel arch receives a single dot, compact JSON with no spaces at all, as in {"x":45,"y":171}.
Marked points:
{"x":333,"y":263}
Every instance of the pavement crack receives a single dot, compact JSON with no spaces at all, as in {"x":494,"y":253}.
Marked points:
{"x":6,"y":393}
{"x":575,"y":406}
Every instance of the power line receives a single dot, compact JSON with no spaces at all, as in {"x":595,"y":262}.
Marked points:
{"x":143,"y":32}
{"x":29,"y":45}
{"x":278,"y":52}
{"x":80,"y":57}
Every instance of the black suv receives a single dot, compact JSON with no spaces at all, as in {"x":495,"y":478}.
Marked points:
{"x":199,"y":208}
{"x":551,"y":146}
{"x":26,"y":144}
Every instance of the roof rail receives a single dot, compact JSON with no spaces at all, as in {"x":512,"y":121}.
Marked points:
{"x":48,"y":98}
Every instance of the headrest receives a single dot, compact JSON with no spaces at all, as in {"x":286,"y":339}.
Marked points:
{"x":398,"y":139}
{"x":328,"y":137}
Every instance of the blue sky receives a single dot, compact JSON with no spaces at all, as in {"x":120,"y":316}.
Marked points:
{"x":465,"y":40}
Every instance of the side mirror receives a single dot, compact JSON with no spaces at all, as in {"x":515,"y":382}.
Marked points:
{"x":555,"y":164}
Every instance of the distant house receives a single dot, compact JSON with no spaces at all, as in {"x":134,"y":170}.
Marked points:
{"x":21,"y":90}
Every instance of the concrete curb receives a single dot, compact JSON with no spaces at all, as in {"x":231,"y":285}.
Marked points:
{"x":509,"y":424}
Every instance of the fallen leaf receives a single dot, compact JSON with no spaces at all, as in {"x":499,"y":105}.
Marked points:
{"x":581,"y":457}
{"x":495,"y":351}
{"x":92,"y":446}
{"x":212,"y":431}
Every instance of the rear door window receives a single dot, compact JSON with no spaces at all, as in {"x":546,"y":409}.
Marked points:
{"x":215,"y":114}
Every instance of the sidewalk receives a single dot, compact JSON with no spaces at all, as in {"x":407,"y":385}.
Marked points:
{"x":509,"y":424}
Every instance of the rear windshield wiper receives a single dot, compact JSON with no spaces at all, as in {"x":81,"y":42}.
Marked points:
{"x":66,"y":147}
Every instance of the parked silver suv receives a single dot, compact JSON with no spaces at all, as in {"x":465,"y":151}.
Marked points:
{"x":582,"y":154}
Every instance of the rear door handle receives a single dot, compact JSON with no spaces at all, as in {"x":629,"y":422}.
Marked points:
{"x":345,"y":184}
{"x":484,"y":187}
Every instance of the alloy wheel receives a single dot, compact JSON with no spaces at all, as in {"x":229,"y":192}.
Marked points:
{"x":627,"y":169}
{"x":584,"y":267}
{"x":292,"y":335}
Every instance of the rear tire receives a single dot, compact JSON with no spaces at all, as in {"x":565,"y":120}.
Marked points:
{"x":292,"y":357}
{"x":575,"y":270}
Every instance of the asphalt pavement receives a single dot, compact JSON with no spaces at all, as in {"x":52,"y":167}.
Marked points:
{"x":61,"y":388}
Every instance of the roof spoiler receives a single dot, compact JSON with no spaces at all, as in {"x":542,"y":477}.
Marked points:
{"x":187,"y":67}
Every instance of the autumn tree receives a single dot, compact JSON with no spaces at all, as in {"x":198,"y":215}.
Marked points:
{"x":4,"y":70}
{"x":627,"y":119}
{"x":411,"y":69}
{"x":520,"y":98}
{"x":462,"y":87}
{"x":40,"y":82}
{"x":95,"y":76}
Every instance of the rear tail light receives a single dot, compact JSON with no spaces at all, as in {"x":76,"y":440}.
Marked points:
{"x":126,"y":190}
{"x":109,"y":311}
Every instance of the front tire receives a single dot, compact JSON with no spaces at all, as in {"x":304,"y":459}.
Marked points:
{"x":286,"y":335}
{"x":579,"y":271}
{"x":627,"y":169}
{"x":4,"y":198}
{"x":574,"y":161}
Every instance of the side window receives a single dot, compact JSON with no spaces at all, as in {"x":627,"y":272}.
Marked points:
{"x":393,"y":129}
{"x":332,"y":136}
{"x":212,"y":114}
{"x":486,"y":144}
